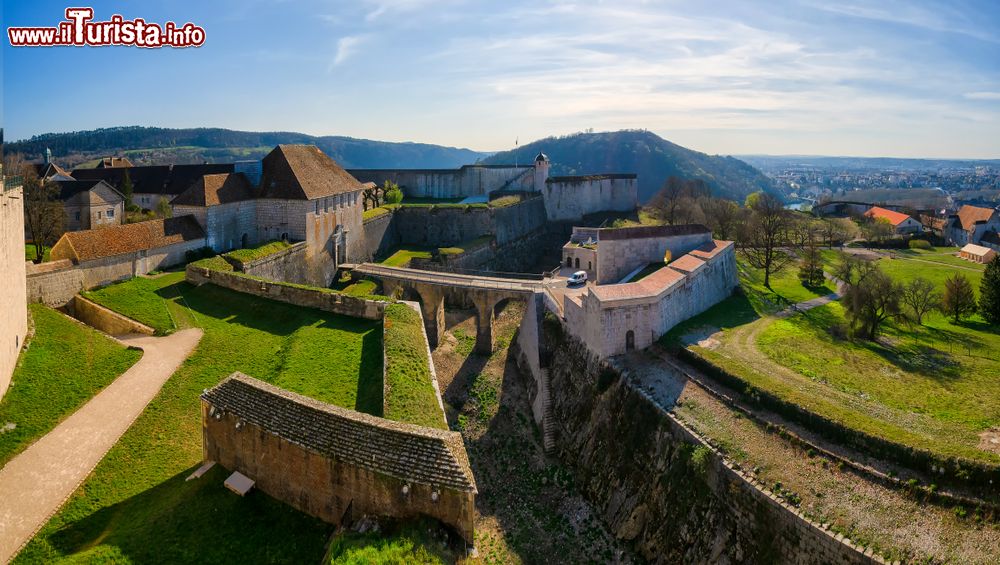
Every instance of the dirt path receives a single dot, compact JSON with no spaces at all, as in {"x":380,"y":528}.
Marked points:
{"x":35,"y":484}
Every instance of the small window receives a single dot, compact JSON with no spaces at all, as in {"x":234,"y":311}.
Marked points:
{"x":569,"y":261}
{"x":111,"y":213}
{"x":98,"y":214}
{"x":78,"y":215}
{"x":317,"y":206}
{"x":577,"y":262}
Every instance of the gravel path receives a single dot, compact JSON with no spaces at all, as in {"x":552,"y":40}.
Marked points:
{"x":35,"y":484}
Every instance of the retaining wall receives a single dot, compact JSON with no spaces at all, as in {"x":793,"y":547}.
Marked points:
{"x":635,"y":462}
{"x":108,"y":321}
{"x":300,"y":295}
{"x":287,"y":265}
{"x":54,"y":284}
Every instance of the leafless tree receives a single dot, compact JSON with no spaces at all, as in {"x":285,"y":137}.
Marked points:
{"x":722,"y":216}
{"x":920,"y":298}
{"x":44,"y":215}
{"x":672,"y":203}
{"x":764,"y":234}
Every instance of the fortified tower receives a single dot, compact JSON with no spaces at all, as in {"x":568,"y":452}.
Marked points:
{"x":541,"y":171}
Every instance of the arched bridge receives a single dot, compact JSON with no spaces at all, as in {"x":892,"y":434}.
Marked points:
{"x":484,"y":292}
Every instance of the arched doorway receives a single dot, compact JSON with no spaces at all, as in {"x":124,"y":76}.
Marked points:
{"x":577,"y":262}
{"x":245,"y":241}
{"x":569,"y":261}
{"x":630,"y":340}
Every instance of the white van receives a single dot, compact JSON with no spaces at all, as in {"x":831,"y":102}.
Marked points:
{"x":576,"y":278}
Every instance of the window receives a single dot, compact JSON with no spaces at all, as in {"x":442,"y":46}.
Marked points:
{"x":577,"y":262}
{"x":569,"y":261}
{"x":589,"y":267}
{"x":78,"y":215}
{"x":317,"y":206}
{"x":98,"y":214}
{"x":629,"y":340}
{"x":111,"y":213}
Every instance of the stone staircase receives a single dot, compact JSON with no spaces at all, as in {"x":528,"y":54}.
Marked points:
{"x":548,"y":427}
{"x":516,"y":178}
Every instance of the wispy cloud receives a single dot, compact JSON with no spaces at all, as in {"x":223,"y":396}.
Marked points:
{"x":347,"y":46}
{"x":984,"y":95}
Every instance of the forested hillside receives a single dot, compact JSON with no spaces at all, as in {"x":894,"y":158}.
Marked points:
{"x":650,"y":156}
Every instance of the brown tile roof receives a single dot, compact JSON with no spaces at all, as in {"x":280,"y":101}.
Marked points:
{"x":303,"y":172}
{"x":893,"y":217}
{"x":405,"y":451}
{"x":117,"y":240}
{"x":212,"y":190}
{"x":114,"y":162}
{"x":969,"y":215}
{"x":649,"y":286}
{"x":932,"y":222}
{"x":46,"y":170}
{"x":711,"y":249}
{"x":686,"y":263}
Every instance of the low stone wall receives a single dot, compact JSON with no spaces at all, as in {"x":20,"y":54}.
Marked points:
{"x":337,"y":464}
{"x":641,"y":475}
{"x":287,"y":265}
{"x":108,"y":321}
{"x":53,"y":284}
{"x":299,"y":295}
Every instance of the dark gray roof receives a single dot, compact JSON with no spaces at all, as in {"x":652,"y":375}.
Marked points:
{"x":650,"y":231}
{"x":404,"y":451}
{"x":541,"y":157}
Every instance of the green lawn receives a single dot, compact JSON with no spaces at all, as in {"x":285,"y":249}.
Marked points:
{"x":30,"y":252}
{"x":402,"y":256}
{"x":932,"y":387}
{"x":402,"y":543}
{"x":786,"y":288}
{"x":144,"y":300}
{"x":935,"y":265}
{"x":65,"y":365}
{"x":259,"y":252}
{"x":410,"y":395}
{"x":136,"y":505}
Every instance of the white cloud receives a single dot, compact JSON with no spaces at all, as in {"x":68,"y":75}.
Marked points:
{"x":984,"y":95}
{"x":347,"y":46}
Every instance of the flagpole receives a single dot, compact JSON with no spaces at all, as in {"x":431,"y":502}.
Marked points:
{"x":516,"y":139}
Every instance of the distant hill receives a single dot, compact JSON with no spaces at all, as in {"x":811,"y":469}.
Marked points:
{"x":646,"y":154}
{"x":150,"y":146}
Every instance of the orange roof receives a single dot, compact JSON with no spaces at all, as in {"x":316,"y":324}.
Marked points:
{"x":894,"y":218}
{"x":711,"y":249}
{"x":686,"y":263}
{"x":969,"y":215}
{"x":649,"y":286}
{"x":117,"y":240}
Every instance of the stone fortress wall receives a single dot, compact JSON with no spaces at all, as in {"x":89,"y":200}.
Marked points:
{"x":13,"y":305}
{"x":469,"y":180}
{"x":572,"y":198}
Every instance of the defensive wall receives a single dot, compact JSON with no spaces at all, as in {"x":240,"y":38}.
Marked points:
{"x":616,"y":252}
{"x":104,"y":319}
{"x":13,"y":306}
{"x":573,"y":197}
{"x":469,"y":180}
{"x":334,"y":463}
{"x":286,"y":265}
{"x":641,"y":477}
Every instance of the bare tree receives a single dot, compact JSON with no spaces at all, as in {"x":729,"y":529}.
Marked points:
{"x":764,"y":234}
{"x":722,"y":216}
{"x":920,"y":297}
{"x":870,"y":301}
{"x":673,"y":201}
{"x":44,"y":215}
{"x":959,"y":299}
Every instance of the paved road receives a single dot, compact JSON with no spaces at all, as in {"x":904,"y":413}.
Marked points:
{"x":35,"y":484}
{"x":448,"y":279}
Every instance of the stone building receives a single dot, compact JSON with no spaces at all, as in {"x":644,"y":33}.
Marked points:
{"x":305,"y":196}
{"x":13,"y":302}
{"x":117,"y":253}
{"x":90,"y":204}
{"x":334,"y":463}
{"x":152,"y":183}
{"x":610,"y":254}
{"x":971,"y":225}
{"x":224,"y":206}
{"x":613,"y":319}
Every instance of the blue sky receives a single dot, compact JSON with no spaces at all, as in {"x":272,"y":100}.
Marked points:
{"x":896,"y":78}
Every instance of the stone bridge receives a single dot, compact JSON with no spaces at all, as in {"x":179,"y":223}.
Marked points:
{"x":484,"y":292}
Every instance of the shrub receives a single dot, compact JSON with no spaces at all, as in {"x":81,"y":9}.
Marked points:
{"x":919,"y":244}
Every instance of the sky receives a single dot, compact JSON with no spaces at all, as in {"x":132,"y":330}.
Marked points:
{"x":902,"y":78}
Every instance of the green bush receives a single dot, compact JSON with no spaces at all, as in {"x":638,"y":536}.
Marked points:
{"x":919,"y":244}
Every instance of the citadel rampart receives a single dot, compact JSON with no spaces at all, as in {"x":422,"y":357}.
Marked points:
{"x":638,"y":472}
{"x":13,"y":307}
{"x":469,"y":180}
{"x":334,"y":463}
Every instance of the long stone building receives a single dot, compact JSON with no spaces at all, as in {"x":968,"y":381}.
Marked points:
{"x":13,"y":302}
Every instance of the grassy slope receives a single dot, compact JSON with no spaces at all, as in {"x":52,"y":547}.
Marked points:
{"x":65,"y":365}
{"x":401,"y":258}
{"x":402,"y":543}
{"x":930,"y":387}
{"x":253,"y":253}
{"x":143,"y":300}
{"x":137,"y":505}
{"x":410,"y":396}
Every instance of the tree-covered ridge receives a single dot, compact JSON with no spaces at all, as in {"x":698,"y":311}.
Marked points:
{"x":642,"y":152}
{"x":154,"y":145}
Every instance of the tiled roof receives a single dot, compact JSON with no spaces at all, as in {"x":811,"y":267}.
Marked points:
{"x":168,"y":180}
{"x":117,"y":240}
{"x":893,"y":217}
{"x":711,"y":249}
{"x":978,"y":250}
{"x":686,"y":263}
{"x":212,"y":190}
{"x":70,"y":188}
{"x":969,"y":215}
{"x":404,"y":451}
{"x":46,"y":170}
{"x":932,"y":222}
{"x":650,"y":231}
{"x":303,"y":172}
{"x":114,"y":162}
{"x":649,"y":286}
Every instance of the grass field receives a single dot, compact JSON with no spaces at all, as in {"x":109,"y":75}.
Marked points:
{"x":29,"y":252}
{"x":402,"y":256}
{"x":136,"y":505}
{"x":410,"y":396}
{"x":65,"y":365}
{"x":931,"y":387}
{"x":259,"y":252}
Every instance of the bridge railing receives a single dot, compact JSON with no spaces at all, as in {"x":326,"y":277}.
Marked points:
{"x":448,"y":279}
